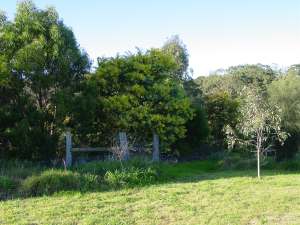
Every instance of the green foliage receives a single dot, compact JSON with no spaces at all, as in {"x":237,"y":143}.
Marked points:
{"x":259,"y":124}
{"x":289,"y":148}
{"x":95,"y":176}
{"x":197,"y":131}
{"x":177,"y":49}
{"x":19,"y":170}
{"x":258,"y":76}
{"x":285,"y":92}
{"x":234,"y":79}
{"x":39,"y":59}
{"x":258,"y":127}
{"x":7,"y":184}
{"x":291,"y":165}
{"x":131,"y":177}
{"x":221,"y":110}
{"x":88,"y":177}
{"x":135,"y":93}
{"x":238,"y":161}
{"x":51,"y":181}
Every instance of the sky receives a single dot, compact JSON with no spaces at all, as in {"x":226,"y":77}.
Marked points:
{"x":217,"y":33}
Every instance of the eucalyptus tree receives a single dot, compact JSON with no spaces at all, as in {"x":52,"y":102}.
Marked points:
{"x":175,"y":47}
{"x":42,"y":60}
{"x":258,"y":126}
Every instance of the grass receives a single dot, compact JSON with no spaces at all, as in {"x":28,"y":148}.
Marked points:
{"x":19,"y":180}
{"x":196,"y":193}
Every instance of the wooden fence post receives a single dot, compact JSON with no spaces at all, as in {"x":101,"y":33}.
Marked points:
{"x":68,"y":149}
{"x":123,"y":146}
{"x":155,"y":148}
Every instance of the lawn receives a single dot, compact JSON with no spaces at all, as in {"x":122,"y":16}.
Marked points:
{"x":207,"y":198}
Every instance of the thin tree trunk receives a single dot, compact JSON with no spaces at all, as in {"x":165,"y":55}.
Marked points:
{"x":258,"y":149}
{"x":258,"y":163}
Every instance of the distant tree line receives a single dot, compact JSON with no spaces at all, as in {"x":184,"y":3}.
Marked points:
{"x":276,"y":90}
{"x":47,"y":86}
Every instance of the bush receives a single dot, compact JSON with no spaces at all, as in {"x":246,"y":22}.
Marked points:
{"x":239,"y":161}
{"x":131,"y":177}
{"x":290,"y":165}
{"x":91,"y":176}
{"x":52,"y":181}
{"x":6,"y":184}
{"x":18,"y":170}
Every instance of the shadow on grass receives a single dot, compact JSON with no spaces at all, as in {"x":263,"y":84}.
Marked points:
{"x":191,"y":172}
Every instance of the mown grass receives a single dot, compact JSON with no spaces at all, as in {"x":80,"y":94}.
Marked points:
{"x":198,"y":192}
{"x":208,"y":198}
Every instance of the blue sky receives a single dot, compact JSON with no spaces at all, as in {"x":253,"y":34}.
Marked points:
{"x":218,"y":33}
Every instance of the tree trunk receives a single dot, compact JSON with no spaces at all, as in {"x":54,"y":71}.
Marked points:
{"x":258,"y":163}
{"x":68,"y":149}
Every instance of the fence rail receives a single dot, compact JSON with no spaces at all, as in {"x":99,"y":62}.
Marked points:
{"x":89,"y":149}
{"x":123,"y":146}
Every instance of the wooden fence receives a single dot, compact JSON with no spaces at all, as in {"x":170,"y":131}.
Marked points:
{"x":122,"y":148}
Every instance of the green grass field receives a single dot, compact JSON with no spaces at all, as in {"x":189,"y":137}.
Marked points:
{"x":193,"y":198}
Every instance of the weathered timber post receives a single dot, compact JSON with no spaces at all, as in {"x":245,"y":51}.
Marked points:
{"x":155,"y":148}
{"x":68,"y":149}
{"x":123,"y":146}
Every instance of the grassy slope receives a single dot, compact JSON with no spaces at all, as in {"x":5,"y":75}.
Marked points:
{"x":209,"y":198}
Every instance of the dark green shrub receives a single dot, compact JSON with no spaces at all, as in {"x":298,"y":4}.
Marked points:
{"x":239,"y":161}
{"x":291,"y":165}
{"x":197,"y":131}
{"x":19,"y":170}
{"x":289,"y":149}
{"x":7,"y":185}
{"x":52,"y":181}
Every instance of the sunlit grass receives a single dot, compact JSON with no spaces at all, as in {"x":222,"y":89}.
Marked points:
{"x":210,"y":198}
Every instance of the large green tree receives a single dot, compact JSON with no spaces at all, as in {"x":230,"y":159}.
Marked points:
{"x":136,"y":93}
{"x":285,"y":92}
{"x":40,"y":59}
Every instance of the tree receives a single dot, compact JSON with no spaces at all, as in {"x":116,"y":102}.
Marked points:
{"x":221,"y":110}
{"x":258,"y":127}
{"x":197,"y":129}
{"x":136,"y":93}
{"x":234,"y":79}
{"x":294,"y":69}
{"x":40,"y":62}
{"x":177,"y":49}
{"x":285,"y":92}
